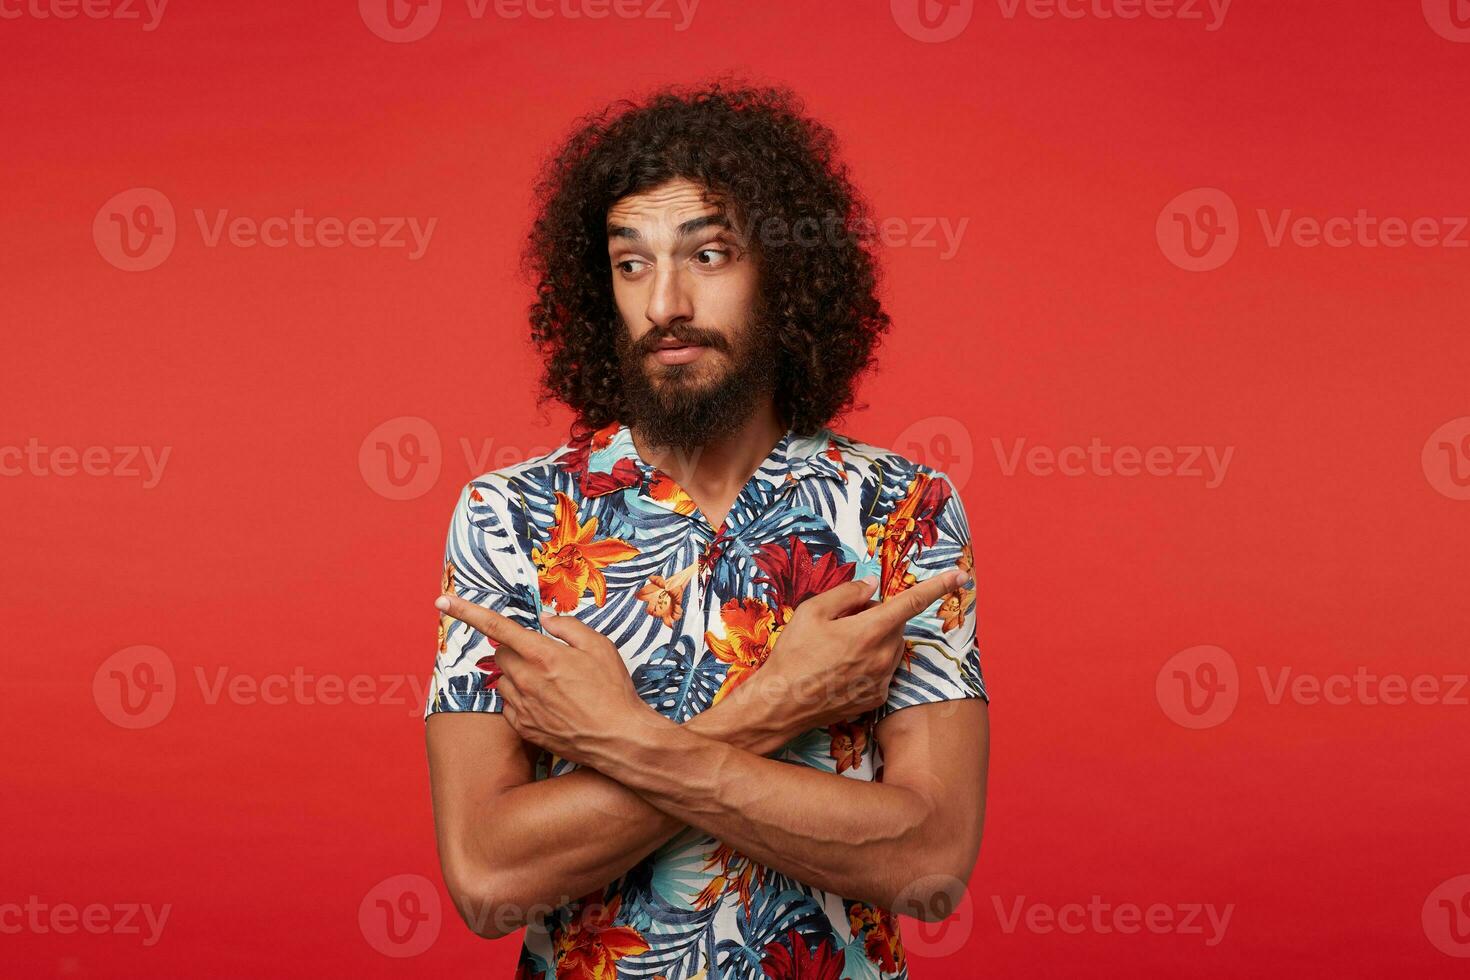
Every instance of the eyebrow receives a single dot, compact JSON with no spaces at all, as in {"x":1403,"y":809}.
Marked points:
{"x":690,"y":227}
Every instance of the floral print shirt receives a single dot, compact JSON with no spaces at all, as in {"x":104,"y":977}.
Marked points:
{"x":593,"y":531}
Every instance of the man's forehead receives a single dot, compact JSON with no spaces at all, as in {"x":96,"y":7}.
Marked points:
{"x":668,"y":204}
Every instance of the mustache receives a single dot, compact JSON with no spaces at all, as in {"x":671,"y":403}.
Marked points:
{"x":694,"y":336}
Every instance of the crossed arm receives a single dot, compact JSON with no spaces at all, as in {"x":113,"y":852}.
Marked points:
{"x":511,"y":845}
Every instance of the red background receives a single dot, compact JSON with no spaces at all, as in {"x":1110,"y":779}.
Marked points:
{"x":266,"y":549}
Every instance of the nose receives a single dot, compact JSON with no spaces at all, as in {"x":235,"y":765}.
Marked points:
{"x":669,"y":301}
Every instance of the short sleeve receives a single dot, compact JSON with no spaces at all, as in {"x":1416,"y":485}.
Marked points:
{"x":485,"y":564}
{"x":942,"y":656}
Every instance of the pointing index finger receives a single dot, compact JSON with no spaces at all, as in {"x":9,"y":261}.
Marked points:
{"x":499,"y":628}
{"x":901,"y":608}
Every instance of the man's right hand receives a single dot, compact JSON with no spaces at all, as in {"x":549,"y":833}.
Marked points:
{"x":835,"y":658}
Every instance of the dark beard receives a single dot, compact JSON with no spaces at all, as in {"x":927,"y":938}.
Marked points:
{"x":680,"y":412}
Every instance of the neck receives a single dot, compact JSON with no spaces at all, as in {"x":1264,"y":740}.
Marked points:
{"x":722,"y":465}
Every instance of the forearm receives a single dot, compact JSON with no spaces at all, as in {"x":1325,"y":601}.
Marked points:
{"x":863,"y":840}
{"x":553,"y":840}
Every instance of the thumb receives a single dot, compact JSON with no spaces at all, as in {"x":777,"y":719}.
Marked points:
{"x":569,"y":629}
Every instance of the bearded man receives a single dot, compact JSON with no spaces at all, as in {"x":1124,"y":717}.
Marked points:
{"x":707,"y":700}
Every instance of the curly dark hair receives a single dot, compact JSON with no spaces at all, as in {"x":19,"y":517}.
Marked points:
{"x":775,"y":174}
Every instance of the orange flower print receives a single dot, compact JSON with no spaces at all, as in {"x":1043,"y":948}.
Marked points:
{"x":446,"y":587}
{"x":878,"y":929}
{"x":750,"y":634}
{"x":665,"y":598}
{"x":952,"y":608}
{"x":911,"y":522}
{"x":896,"y":578}
{"x":736,"y":871}
{"x":589,"y":947}
{"x":849,"y":741}
{"x":573,"y":560}
{"x":661,"y":487}
{"x":966,"y":561}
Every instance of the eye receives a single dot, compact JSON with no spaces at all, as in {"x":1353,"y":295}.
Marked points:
{"x":629,"y":267}
{"x":711,"y":257}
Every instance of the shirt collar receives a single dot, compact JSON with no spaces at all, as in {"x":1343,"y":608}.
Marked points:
{"x":608,"y":460}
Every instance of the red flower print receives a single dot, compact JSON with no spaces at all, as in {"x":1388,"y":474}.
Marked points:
{"x":800,"y":961}
{"x":794,"y":577}
{"x":878,"y":929}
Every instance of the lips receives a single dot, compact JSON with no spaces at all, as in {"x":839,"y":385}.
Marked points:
{"x":677,"y":353}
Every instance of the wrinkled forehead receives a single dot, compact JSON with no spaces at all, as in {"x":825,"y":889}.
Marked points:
{"x":660,"y":212}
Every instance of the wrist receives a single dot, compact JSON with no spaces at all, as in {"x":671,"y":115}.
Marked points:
{"x":758,"y":716}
